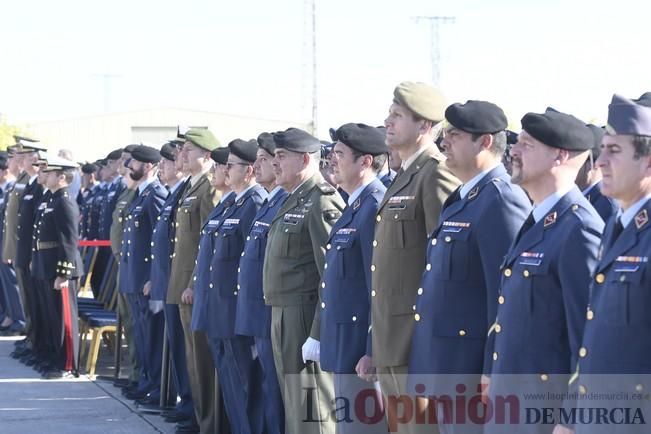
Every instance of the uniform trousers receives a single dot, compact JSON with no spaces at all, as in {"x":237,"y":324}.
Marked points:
{"x":176,"y":342}
{"x":274,"y":412}
{"x":13,"y":305}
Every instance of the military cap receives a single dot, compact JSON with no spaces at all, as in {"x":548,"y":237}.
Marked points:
{"x":176,"y":143}
{"x":422,"y":99}
{"x":129,"y":148}
{"x":168,"y":152}
{"x":203,"y":138}
{"x":244,"y":149}
{"x":266,"y":142}
{"x":42,"y":158}
{"x":27,"y":146}
{"x":146,"y":154}
{"x":100,"y":163}
{"x":558,"y":130}
{"x":296,"y":140}
{"x":628,"y":117}
{"x":362,"y":138}
{"x":57,"y":163}
{"x":88,"y":168}
{"x":115,"y":155}
{"x":19,"y":138}
{"x":220,"y":155}
{"x":181,"y":130}
{"x":476,"y":117}
{"x":644,"y":99}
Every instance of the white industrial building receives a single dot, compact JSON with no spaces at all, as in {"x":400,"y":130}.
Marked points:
{"x":93,"y":137}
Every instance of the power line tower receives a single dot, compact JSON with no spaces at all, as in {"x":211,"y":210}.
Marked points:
{"x":435,"y":22}
{"x":310,"y":63}
{"x":107,"y":78}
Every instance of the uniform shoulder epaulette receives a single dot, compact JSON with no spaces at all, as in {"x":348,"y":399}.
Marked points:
{"x":325,"y":187}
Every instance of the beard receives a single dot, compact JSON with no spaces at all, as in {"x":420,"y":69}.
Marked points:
{"x":137,"y":175}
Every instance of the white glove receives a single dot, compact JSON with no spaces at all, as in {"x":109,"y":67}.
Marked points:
{"x":156,"y":306}
{"x":311,"y":350}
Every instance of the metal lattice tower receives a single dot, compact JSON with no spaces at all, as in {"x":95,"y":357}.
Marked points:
{"x":435,"y":23}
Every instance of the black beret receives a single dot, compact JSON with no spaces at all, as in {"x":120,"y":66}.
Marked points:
{"x":220,"y":155}
{"x":177,"y":143}
{"x":597,"y":134}
{"x":476,"y":117}
{"x":362,"y":138}
{"x":168,"y":152}
{"x":129,"y":148}
{"x":244,"y":149}
{"x":115,"y":155}
{"x":266,"y":142}
{"x":100,"y":163}
{"x":145,"y":154}
{"x":88,"y":168}
{"x":296,"y":140}
{"x":558,"y":130}
{"x":3,"y":163}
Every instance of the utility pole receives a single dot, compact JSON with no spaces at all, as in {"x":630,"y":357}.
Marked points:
{"x":106,"y":78}
{"x":314,"y":72}
{"x":309,"y":89}
{"x":435,"y":22}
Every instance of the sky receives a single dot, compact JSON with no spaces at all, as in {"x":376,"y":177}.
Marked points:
{"x":254,"y":57}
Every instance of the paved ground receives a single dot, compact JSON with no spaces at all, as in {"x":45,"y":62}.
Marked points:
{"x":29,"y":404}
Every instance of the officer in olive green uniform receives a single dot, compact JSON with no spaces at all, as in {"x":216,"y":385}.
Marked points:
{"x":407,"y":214}
{"x":294,"y":260}
{"x":195,"y":204}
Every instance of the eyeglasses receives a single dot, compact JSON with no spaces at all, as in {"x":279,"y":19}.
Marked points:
{"x":229,"y":165}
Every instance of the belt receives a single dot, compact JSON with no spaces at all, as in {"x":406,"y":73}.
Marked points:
{"x":291,"y":299}
{"x":45,"y":245}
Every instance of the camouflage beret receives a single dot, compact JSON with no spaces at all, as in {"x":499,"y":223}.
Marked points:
{"x":422,"y":99}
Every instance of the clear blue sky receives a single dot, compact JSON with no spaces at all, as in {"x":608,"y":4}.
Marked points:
{"x":252,"y":57}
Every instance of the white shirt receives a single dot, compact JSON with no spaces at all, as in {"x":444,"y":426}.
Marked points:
{"x":627,"y":216}
{"x":406,"y":163}
{"x":541,"y":210}
{"x":465,"y":188}
{"x":590,"y":187}
{"x":194,"y":179}
{"x":274,"y":192}
{"x":239,"y":196}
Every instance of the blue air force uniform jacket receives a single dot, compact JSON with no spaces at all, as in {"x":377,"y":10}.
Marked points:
{"x":388,"y":178}
{"x":107,"y":206}
{"x":544,"y":291}
{"x":136,"y":244}
{"x":618,"y":324}
{"x":253,"y":316}
{"x":346,"y":285}
{"x":227,"y":243}
{"x":56,"y":239}
{"x":457,"y":300}
{"x":162,"y":244}
{"x":605,"y":206}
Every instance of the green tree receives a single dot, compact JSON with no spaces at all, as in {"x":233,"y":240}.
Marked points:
{"x":7,"y":135}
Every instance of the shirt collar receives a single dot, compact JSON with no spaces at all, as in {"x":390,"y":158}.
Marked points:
{"x":590,"y":187}
{"x":355,"y":194}
{"x":177,"y":185}
{"x":277,"y":189}
{"x":32,"y":179}
{"x":194,"y":179}
{"x":405,"y":164}
{"x":226,"y":196}
{"x":117,"y":180}
{"x":541,"y":210}
{"x":145,"y":184}
{"x":241,"y":195}
{"x":299,"y":186}
{"x":465,"y":188}
{"x":627,"y":216}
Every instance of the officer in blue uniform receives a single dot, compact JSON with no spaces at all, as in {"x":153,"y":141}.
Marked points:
{"x":253,"y":317}
{"x":60,"y":264}
{"x":85,"y":195}
{"x":616,"y":337}
{"x":115,"y":186}
{"x":135,"y":263}
{"x":162,"y":246}
{"x":231,"y":353}
{"x":546,"y":272}
{"x":457,"y":298}
{"x":589,"y":179}
{"x":358,"y":155}
{"x":94,"y":202}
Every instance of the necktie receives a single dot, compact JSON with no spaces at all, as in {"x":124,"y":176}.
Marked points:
{"x":455,"y":196}
{"x":617,"y":230}
{"x":528,"y":224}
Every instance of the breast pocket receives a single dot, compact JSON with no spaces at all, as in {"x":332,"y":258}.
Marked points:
{"x":542,"y":296}
{"x":291,"y":240}
{"x":627,"y":296}
{"x":450,"y":254}
{"x":258,"y":238}
{"x":348,"y":264}
{"x":228,"y":243}
{"x":188,"y":216}
{"x":401,"y":230}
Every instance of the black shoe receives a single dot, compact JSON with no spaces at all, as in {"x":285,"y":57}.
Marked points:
{"x":176,"y":417}
{"x":134,"y":395}
{"x":189,"y":426}
{"x":121,"y":382}
{"x":149,"y":408}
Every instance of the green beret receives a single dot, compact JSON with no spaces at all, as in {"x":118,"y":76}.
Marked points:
{"x":203,"y":138}
{"x":422,"y":99}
